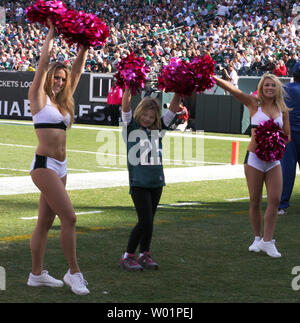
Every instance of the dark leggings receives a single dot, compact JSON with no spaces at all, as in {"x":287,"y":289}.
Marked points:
{"x":145,"y":201}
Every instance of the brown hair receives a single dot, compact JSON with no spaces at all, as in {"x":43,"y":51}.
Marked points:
{"x":146,"y":104}
{"x":64,"y":99}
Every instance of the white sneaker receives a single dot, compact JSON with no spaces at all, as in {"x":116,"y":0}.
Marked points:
{"x":269,"y":248}
{"x":254,"y":246}
{"x":44,"y":279}
{"x":77,"y":283}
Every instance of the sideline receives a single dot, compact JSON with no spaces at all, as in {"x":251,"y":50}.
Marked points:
{"x":24,"y":185}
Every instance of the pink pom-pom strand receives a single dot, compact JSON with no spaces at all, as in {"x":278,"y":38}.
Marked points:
{"x":82,"y":28}
{"x":177,"y":77}
{"x":187,"y":77}
{"x":203,"y":68}
{"x":132,"y":73}
{"x":75,"y":26}
{"x":41,"y":10}
{"x":271,"y":141}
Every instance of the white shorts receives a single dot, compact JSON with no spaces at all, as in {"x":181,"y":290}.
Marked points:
{"x":47,"y":162}
{"x":252,"y":160}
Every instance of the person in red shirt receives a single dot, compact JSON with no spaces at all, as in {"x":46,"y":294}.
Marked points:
{"x":114,"y":101}
{"x":280,"y":69}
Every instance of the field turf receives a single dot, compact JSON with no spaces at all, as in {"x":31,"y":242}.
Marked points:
{"x":200,"y":238}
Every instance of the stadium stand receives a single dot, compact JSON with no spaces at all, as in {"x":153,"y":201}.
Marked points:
{"x":258,"y":36}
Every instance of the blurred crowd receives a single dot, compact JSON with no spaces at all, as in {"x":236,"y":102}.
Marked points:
{"x":251,"y":36}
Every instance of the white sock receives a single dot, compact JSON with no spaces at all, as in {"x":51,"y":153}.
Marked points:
{"x":265,"y":241}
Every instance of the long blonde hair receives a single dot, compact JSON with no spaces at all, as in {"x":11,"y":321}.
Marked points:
{"x":146,"y":104}
{"x":279,"y":98}
{"x":64,"y":99}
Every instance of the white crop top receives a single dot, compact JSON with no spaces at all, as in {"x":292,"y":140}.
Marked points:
{"x":50,"y":117}
{"x":260,"y":116}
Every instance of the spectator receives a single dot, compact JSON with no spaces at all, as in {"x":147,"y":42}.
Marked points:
{"x":88,"y":68}
{"x":290,"y":63}
{"x":270,"y":66}
{"x":280,"y":69}
{"x":256,"y":66}
{"x":233,"y":77}
{"x":106,"y":66}
{"x":222,"y":28}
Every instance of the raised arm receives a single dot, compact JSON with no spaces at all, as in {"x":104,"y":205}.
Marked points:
{"x":126,"y":100}
{"x":175,"y":103}
{"x":36,"y":93}
{"x":78,"y":66}
{"x":243,"y":98}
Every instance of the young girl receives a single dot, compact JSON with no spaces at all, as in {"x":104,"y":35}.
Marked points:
{"x":146,"y":176}
{"x":52,"y":108}
{"x":268,"y":104}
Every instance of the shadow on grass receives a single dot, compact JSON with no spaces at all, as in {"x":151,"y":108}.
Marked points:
{"x":201,"y":249}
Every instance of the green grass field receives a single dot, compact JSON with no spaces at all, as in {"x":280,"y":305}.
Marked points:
{"x":200,"y":238}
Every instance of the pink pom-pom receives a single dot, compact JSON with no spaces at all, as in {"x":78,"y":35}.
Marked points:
{"x":41,"y":10}
{"x":271,"y":141}
{"x":132,"y":73}
{"x":96,"y":31}
{"x":185,"y":78}
{"x":82,"y":28}
{"x":177,"y":77}
{"x":75,"y":26}
{"x":203,"y":68}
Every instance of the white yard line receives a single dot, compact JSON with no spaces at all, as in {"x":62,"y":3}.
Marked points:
{"x":179,"y":204}
{"x":165,"y":160}
{"x":17,"y":146}
{"x":237,"y":199}
{"x":199,"y":134}
{"x":15,"y":169}
{"x":88,"y":212}
{"x":77,"y":213}
{"x":79,"y":170}
{"x":23,"y":184}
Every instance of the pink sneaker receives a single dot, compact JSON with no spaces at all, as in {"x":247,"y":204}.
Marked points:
{"x":147,"y":262}
{"x":130,"y":263}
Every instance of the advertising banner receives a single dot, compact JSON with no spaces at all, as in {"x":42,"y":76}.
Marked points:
{"x":90,"y":97}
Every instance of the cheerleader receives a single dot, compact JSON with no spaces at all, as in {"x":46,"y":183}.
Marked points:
{"x":269,"y":104}
{"x":52,"y":108}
